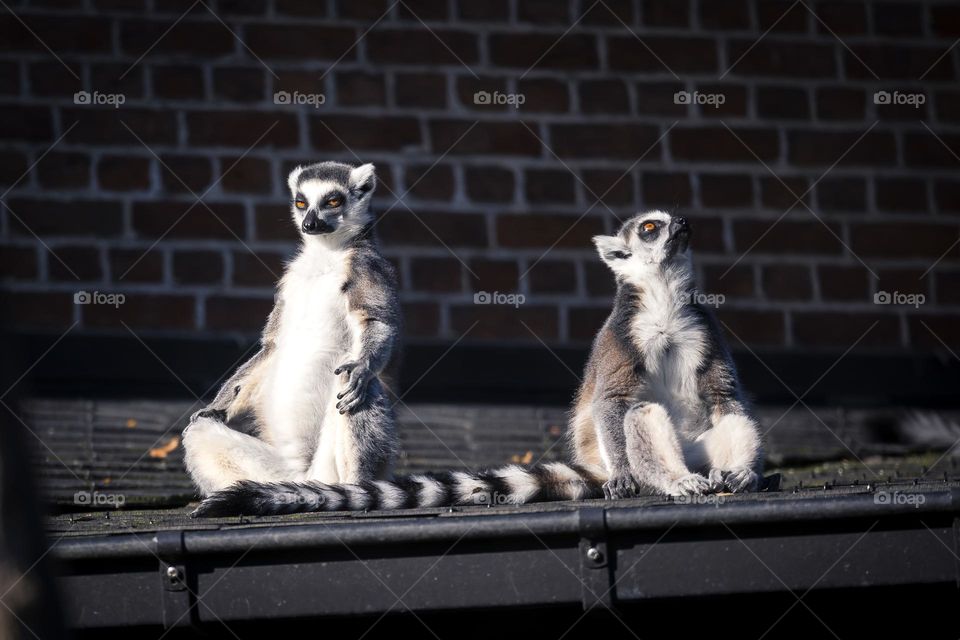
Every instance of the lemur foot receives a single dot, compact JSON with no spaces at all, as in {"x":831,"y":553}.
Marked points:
{"x":620,"y":486}
{"x":692,"y":484}
{"x":217,"y":414}
{"x":740,"y":480}
{"x":715,"y":478}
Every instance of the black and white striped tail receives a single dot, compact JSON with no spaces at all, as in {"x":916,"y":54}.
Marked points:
{"x":507,"y":485}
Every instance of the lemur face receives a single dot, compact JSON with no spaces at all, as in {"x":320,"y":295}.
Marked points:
{"x":331,"y":198}
{"x":644,"y":242}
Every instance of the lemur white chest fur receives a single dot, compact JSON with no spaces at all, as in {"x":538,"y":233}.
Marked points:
{"x":314,"y":336}
{"x":673,"y":343}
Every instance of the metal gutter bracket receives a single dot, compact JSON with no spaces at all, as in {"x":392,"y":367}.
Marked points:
{"x":595,"y":565}
{"x":178,"y":601}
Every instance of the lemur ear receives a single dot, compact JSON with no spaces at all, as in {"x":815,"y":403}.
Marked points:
{"x":294,"y":178}
{"x":363,"y":179}
{"x":612,"y":249}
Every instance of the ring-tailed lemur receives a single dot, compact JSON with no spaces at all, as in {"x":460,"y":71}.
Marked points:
{"x":659,"y":359}
{"x":660,"y":407}
{"x":336,"y":316}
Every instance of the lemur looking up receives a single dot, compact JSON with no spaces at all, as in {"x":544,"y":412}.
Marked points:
{"x":660,"y":409}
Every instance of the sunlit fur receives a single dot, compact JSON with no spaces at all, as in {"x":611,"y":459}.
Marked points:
{"x":660,"y":408}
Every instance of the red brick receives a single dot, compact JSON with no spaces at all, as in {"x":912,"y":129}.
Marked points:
{"x":490,"y":11}
{"x":840,"y":103}
{"x":666,"y":189}
{"x":550,"y":185}
{"x":301,"y":42}
{"x":598,"y":278}
{"x":428,"y":229}
{"x":124,"y":173}
{"x":239,"y":85}
{"x":47,"y":217}
{"x":363,"y":133}
{"x":892,"y":61}
{"x":234,"y":313}
{"x":420,"y":90}
{"x":899,"y":240}
{"x":604,"y":96}
{"x":783,"y":102}
{"x":786,"y":236}
{"x":420,"y":46}
{"x":467,"y":88}
{"x":924,"y":149}
{"x":726,"y":190}
{"x":841,"y":18}
{"x":258,"y":269}
{"x":184,"y":219}
{"x":50,"y":78}
{"x":494,"y":275}
{"x":732,"y":281}
{"x":430,"y":182}
{"x":246,"y":175}
{"x":729,"y":15}
{"x":712,"y":144}
{"x":242,"y":129}
{"x":180,"y":173}
{"x":947,"y":195}
{"x":543,"y":51}
{"x":657,"y":98}
{"x":601,"y":140}
{"x":552,"y":277}
{"x":27,"y":123}
{"x":901,"y":194}
{"x":457,"y":137}
{"x":898,"y":19}
{"x":735,"y":101}
{"x":43,"y":33}
{"x":662,"y":54}
{"x":842,"y":194}
{"x":75,"y":263}
{"x":141,"y":311}
{"x":948,"y":286}
{"x":753,"y":327}
{"x":178,"y":82}
{"x":782,"y":16}
{"x":782,"y":193}
{"x":197,"y":267}
{"x":370,"y":10}
{"x":139,"y":37}
{"x":707,"y":233}
{"x":842,"y":330}
{"x":612,"y":186}
{"x":540,"y":230}
{"x":503,"y":322}
{"x":545,"y":95}
{"x":787,"y":282}
{"x":423,"y":10}
{"x":781,"y":59}
{"x":436,"y":274}
{"x":585,"y":322}
{"x":489,"y":184}
{"x":843,"y":283}
{"x":18,"y":263}
{"x":107,"y":126}
{"x":945,"y":20}
{"x":812,"y":148}
{"x":666,"y":13}
{"x":904,"y":280}
{"x":273,"y":222}
{"x":136,"y":265}
{"x":939,"y":330}
{"x":358,"y":89}
{"x":421,"y":319}
{"x":543,"y":12}
{"x":64,"y":170}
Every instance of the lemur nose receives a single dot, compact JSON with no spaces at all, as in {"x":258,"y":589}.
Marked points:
{"x":310,"y":223}
{"x":681,"y":221}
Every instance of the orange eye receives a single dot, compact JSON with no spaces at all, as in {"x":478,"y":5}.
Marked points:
{"x":334,"y":202}
{"x":649,"y":226}
{"x":300,"y":204}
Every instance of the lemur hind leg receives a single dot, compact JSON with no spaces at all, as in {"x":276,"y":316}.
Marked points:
{"x":654,"y":452}
{"x":358,"y":445}
{"x":731,"y":452}
{"x":217,"y":456}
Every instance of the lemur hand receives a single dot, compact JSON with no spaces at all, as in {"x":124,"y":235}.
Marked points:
{"x":217,"y":414}
{"x":358,"y":377}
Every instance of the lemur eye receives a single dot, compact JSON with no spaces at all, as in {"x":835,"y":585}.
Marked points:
{"x":649,"y":226}
{"x":334,"y":202}
{"x":300,"y":204}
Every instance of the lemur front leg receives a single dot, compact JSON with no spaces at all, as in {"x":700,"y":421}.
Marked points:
{"x":377,"y":340}
{"x":654,"y":452}
{"x":608,"y":416}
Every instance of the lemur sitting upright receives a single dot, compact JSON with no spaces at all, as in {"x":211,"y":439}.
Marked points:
{"x":336,"y":316}
{"x":660,"y":406}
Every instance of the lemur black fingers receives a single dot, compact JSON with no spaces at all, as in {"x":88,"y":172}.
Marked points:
{"x":716,"y":480}
{"x":740,"y":480}
{"x":216,"y":414}
{"x":692,"y":484}
{"x":622,"y":486}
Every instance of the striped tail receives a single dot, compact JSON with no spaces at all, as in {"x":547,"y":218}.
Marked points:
{"x":509,"y":485}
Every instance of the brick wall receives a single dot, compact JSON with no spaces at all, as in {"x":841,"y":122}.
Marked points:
{"x":176,"y":197}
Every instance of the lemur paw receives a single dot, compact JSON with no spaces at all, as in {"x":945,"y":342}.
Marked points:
{"x":216,"y":414}
{"x":692,"y":484}
{"x":353,"y":395}
{"x":715,"y":478}
{"x":620,"y":486}
{"x":740,"y":480}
